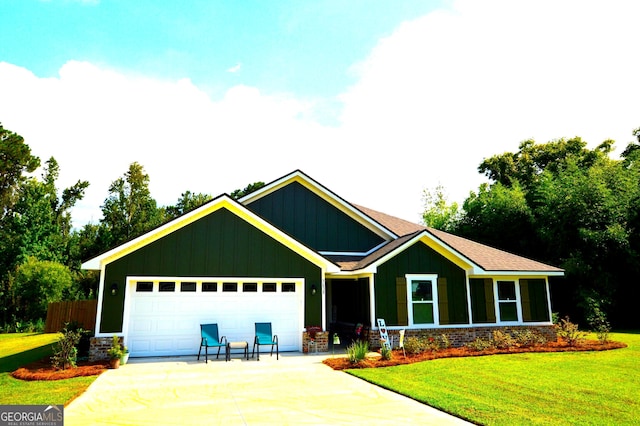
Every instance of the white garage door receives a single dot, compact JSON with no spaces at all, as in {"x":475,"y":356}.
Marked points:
{"x":163,"y":315}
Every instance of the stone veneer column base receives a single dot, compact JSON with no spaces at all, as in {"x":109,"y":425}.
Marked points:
{"x":99,"y":346}
{"x":322,"y":341}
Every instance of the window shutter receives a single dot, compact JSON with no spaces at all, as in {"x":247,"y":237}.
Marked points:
{"x":488,"y":296}
{"x":401,"y":300}
{"x":525,"y":300}
{"x":443,"y":301}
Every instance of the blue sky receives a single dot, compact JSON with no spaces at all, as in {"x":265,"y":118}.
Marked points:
{"x":377,"y":100}
{"x":304,"y":48}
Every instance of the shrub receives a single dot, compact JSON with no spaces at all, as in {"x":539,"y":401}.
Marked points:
{"x":529,"y":337}
{"x":386,"y":353}
{"x":65,"y":352}
{"x":414,"y":345}
{"x":357,"y":351}
{"x":597,"y":319}
{"x":569,"y":332}
{"x":445,"y":343}
{"x":502,"y":340}
{"x":480,"y":344}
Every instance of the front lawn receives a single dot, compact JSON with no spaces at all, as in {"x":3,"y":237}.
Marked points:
{"x":533,"y":388}
{"x":20,"y":349}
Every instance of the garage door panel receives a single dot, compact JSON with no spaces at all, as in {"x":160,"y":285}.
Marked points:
{"x":168,"y":323}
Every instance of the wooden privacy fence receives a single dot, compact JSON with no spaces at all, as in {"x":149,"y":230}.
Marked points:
{"x":81,"y":311}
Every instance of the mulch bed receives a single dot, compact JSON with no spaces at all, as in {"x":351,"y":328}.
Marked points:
{"x":43,"y":370}
{"x":398,"y":358}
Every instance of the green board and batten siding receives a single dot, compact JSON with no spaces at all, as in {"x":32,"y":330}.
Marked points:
{"x":390,"y":285}
{"x":533,"y":300}
{"x":313,"y":221}
{"x":218,"y":245}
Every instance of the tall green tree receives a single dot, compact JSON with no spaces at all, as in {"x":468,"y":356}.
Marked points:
{"x":129,"y":210}
{"x":572,"y":206}
{"x":15,"y":161}
{"x":38,"y":283}
{"x":187,"y":202}
{"x":438,"y":212}
{"x":239,"y":193}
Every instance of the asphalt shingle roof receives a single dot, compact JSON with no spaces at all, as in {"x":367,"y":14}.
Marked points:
{"x":488,"y":258}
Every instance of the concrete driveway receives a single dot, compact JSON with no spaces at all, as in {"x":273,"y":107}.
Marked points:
{"x":297,"y":389}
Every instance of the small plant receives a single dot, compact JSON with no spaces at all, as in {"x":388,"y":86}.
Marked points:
{"x":357,"y":351}
{"x":597,"y":320}
{"x":386,"y":352}
{"x":445,"y":343}
{"x":569,"y":332}
{"x":115,"y":351}
{"x":65,"y":352}
{"x":502,"y":339}
{"x":479,"y":344}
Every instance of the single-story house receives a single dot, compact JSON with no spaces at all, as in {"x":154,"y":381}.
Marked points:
{"x":297,"y":255}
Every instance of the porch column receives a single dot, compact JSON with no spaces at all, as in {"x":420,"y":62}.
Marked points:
{"x":372,"y":301}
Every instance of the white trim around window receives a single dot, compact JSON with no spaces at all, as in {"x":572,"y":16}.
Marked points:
{"x":509,"y":297}
{"x":424,"y":297}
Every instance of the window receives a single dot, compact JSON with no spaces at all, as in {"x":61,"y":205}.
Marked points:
{"x":269,"y":287}
{"x":250,"y":287}
{"x":166,"y":286}
{"x":507,"y":301}
{"x":188,"y":286}
{"x":288,"y":287}
{"x":144,"y":286}
{"x":423,"y":299}
{"x":208,"y":287}
{"x":229,"y":287}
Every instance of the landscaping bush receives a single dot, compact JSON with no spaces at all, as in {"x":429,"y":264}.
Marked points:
{"x":413,"y":345}
{"x":570,"y":332}
{"x":357,"y":351}
{"x":529,"y":337}
{"x":445,"y":343}
{"x":597,"y":319}
{"x":502,"y":339}
{"x":65,"y":352}
{"x":480,"y":344}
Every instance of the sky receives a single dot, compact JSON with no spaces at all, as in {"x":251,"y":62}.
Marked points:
{"x":376,"y":100}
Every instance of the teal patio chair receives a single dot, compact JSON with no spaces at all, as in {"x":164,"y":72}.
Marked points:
{"x":264,"y":337}
{"x":209,"y":339}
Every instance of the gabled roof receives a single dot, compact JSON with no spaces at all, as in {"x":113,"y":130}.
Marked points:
{"x":323,"y":192}
{"x":482,"y":257}
{"x":222,"y":201}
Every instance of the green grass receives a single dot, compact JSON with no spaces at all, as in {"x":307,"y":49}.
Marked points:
{"x":586,"y":388}
{"x":20,"y":349}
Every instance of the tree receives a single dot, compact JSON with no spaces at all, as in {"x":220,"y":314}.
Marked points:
{"x":129,"y":210}
{"x":438,"y":213}
{"x":239,"y":193}
{"x":38,"y":283}
{"x":15,"y":160}
{"x":499,"y":216}
{"x":565,"y":204}
{"x":187,"y":202}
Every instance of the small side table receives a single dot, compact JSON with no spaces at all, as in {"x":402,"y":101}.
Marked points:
{"x":237,"y":345}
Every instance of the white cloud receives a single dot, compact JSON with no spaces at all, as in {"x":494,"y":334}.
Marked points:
{"x":234,"y":69}
{"x":431,"y":100}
